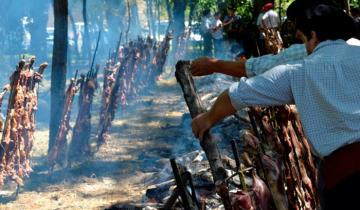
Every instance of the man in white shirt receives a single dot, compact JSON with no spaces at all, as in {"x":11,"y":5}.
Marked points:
{"x":206,"y":32}
{"x":324,"y":86}
{"x":217,"y":35}
{"x":270,"y":19}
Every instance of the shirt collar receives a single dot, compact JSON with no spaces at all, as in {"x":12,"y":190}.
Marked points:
{"x":328,"y":43}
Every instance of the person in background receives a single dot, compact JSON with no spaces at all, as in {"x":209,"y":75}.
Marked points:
{"x":270,"y":18}
{"x":206,"y":32}
{"x":267,"y":19}
{"x":233,"y":28}
{"x":232,"y":23}
{"x":217,"y":35}
{"x":324,"y":86}
{"x":259,"y":65}
{"x":259,"y":19}
{"x":355,"y":13}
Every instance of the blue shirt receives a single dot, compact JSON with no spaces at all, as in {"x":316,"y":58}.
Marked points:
{"x":258,"y":65}
{"x":325,"y":86}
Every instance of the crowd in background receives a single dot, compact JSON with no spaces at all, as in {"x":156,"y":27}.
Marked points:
{"x":225,"y":36}
{"x":226,"y":31}
{"x":221,"y":31}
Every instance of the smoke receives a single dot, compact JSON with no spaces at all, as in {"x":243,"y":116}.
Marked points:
{"x":28,"y":29}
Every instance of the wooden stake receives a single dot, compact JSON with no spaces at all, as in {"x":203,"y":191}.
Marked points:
{"x":208,"y":144}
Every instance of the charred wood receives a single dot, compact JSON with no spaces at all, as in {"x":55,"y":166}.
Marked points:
{"x":183,"y":179}
{"x":208,"y":144}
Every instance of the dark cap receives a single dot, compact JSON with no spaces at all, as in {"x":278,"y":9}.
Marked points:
{"x":298,"y":7}
{"x":231,"y":7}
{"x":329,"y":23}
{"x":206,"y":12}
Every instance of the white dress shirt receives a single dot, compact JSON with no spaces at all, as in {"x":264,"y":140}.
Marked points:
{"x":270,"y":20}
{"x":325,"y":86}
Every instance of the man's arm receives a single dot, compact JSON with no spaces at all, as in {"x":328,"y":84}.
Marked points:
{"x":252,"y":66}
{"x":271,"y":88}
{"x":228,"y":21}
{"x":259,"y":65}
{"x":205,"y":65}
{"x":221,"y":109}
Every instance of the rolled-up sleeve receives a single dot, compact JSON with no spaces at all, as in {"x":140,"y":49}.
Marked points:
{"x":268,"y":89}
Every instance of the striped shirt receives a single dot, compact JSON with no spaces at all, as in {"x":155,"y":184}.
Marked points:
{"x":325,"y":88}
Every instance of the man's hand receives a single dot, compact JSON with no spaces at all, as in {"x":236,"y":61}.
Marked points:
{"x":229,"y":21}
{"x":221,"y":109}
{"x":203,"y":66}
{"x":200,"y":124}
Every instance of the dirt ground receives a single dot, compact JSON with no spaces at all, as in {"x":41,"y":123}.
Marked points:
{"x":145,"y":132}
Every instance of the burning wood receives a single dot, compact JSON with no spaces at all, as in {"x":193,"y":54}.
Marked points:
{"x":183,"y":179}
{"x":18,"y":132}
{"x":60,"y":142}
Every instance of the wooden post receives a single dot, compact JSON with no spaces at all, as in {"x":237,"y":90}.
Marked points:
{"x":181,"y":186}
{"x":208,"y":144}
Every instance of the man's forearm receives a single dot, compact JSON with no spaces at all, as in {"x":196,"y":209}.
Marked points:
{"x":221,"y":108}
{"x":232,"y":68}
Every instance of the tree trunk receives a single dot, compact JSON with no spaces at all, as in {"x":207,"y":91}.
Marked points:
{"x":280,"y":10}
{"x":86,"y":52}
{"x":58,"y":72}
{"x":345,"y":6}
{"x":208,"y":144}
{"x":135,"y":22}
{"x":169,"y":12}
{"x":158,"y":13}
{"x":178,"y":26}
{"x":115,"y":21}
{"x":150,"y":18}
{"x":129,"y":21}
{"x":192,"y":5}
{"x":179,"y":17}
